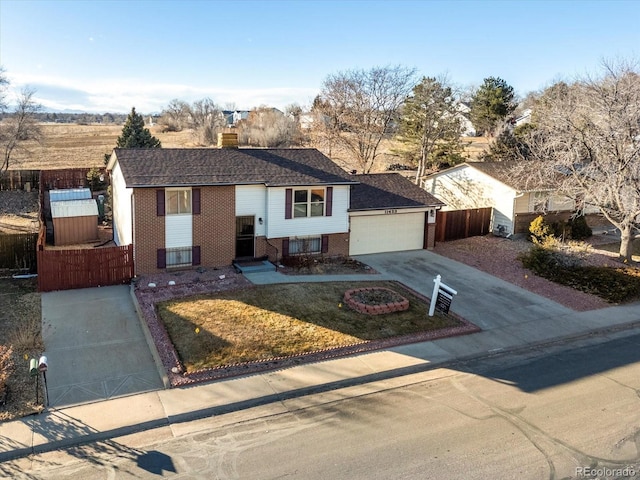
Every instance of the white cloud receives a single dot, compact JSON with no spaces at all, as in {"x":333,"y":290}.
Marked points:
{"x":119,"y":95}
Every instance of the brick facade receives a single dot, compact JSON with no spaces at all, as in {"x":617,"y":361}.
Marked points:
{"x":338,"y":246}
{"x":214,"y":230}
{"x":148,"y":231}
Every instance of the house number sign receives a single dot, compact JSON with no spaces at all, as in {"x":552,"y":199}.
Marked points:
{"x":391,"y":211}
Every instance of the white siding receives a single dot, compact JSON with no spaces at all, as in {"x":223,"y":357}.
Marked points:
{"x":251,"y":200}
{"x":178,"y":231}
{"x":377,"y":233}
{"x":122,"y":211}
{"x":465,"y":187}
{"x":277,"y":226}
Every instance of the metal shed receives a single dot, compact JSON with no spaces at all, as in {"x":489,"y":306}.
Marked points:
{"x":74,"y":221}
{"x":69,"y":194}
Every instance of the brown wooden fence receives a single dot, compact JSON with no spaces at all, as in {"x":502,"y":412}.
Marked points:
{"x":83,"y":268}
{"x":20,"y":180}
{"x":457,"y":224}
{"x":18,"y":252}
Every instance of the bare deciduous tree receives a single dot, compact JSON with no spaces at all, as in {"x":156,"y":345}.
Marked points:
{"x":587,"y":140}
{"x":268,"y":127}
{"x":206,"y":119}
{"x":19,"y":126}
{"x":359,"y":108}
{"x":176,"y":116}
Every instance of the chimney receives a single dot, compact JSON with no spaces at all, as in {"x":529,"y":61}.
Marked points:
{"x":227,"y":140}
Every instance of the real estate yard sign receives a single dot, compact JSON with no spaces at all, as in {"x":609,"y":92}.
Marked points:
{"x":441,"y":297}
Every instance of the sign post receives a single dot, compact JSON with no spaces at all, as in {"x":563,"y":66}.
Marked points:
{"x":441,"y":297}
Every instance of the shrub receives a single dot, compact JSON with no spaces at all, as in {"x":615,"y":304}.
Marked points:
{"x":615,"y":285}
{"x":579,"y":230}
{"x":539,"y":230}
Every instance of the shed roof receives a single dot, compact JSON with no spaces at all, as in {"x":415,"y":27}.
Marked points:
{"x":161,"y":167}
{"x":69,"y":194}
{"x":74,"y":208}
{"x":389,"y":190}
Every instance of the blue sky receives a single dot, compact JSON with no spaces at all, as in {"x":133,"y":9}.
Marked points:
{"x":108,"y":56}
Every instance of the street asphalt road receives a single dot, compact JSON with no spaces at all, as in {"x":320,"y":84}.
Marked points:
{"x":570,"y":411}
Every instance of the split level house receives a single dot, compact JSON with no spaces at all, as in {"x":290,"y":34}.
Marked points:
{"x":515,"y":200}
{"x":209,"y":206}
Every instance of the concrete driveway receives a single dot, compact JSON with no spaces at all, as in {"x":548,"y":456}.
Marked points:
{"x":485,"y":300}
{"x":95,"y":346}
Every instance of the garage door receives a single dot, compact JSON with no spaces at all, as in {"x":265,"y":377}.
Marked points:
{"x":386,"y":233}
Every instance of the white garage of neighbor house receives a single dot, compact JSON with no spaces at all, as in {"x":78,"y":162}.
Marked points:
{"x":514,"y":200}
{"x":389,"y":213}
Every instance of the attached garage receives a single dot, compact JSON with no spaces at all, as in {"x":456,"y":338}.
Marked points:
{"x":391,"y":232}
{"x":389,"y":213}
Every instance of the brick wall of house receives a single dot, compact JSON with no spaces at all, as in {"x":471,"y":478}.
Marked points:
{"x":215,"y":228}
{"x":148,"y":231}
{"x":338,"y":245}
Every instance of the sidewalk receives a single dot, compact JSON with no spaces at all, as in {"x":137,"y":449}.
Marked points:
{"x":535,"y":321}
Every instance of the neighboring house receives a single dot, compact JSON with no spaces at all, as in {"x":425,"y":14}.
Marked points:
{"x":189,"y":207}
{"x":493,"y":184}
{"x":390,"y":213}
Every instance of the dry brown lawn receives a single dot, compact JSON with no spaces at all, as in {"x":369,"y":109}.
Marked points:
{"x":272,"y":321}
{"x":67,"y":145}
{"x":72,"y":146}
{"x":20,"y":329}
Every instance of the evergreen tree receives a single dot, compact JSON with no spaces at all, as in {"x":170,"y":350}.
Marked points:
{"x":430,"y":126}
{"x":134,"y":133}
{"x":491,"y":104}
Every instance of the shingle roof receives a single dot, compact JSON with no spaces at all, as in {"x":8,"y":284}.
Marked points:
{"x":156,"y":167}
{"x":519,"y":175}
{"x":389,"y":190}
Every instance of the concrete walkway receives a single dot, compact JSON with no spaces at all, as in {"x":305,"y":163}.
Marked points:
{"x":512,"y":319}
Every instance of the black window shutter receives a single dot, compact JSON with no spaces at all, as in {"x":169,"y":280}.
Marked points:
{"x":160,"y":203}
{"x":195,"y":255}
{"x":195,"y":200}
{"x":285,"y":247}
{"x":329,"y":201}
{"x":162,"y":258}
{"x":325,"y":243}
{"x":288,"y":200}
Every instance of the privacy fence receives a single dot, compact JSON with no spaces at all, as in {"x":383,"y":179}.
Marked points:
{"x":457,"y":224}
{"x":64,"y":269}
{"x":20,"y":180}
{"x":18,"y":252}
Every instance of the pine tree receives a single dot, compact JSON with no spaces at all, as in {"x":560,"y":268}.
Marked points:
{"x":134,"y":133}
{"x":491,"y":104}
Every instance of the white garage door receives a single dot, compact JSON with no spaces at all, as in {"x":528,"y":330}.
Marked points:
{"x":386,"y":233}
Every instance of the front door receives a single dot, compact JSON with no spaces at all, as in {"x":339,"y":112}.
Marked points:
{"x":245,"y":239}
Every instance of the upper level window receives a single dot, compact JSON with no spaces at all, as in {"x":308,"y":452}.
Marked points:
{"x":178,"y":201}
{"x":308,"y":203}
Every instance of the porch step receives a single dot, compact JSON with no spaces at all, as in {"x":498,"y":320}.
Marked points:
{"x":254,"y":267}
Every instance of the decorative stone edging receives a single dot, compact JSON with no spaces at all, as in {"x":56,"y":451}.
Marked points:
{"x":378,"y":309}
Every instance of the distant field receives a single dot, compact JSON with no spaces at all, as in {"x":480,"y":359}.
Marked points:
{"x":70,"y":145}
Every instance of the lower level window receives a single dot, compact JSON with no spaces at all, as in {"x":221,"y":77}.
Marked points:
{"x":299,"y":246}
{"x":179,"y":257}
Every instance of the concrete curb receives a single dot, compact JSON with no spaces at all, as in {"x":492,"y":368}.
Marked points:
{"x":149,"y":338}
{"x":302,"y":392}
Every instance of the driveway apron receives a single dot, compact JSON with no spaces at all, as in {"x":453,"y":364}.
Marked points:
{"x":95,"y":346}
{"x":483,"y":299}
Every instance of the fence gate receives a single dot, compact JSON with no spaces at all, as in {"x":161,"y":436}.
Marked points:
{"x":456,"y":224}
{"x":83,"y":268}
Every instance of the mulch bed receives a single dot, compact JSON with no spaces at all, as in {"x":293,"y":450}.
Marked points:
{"x":190,"y":283}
